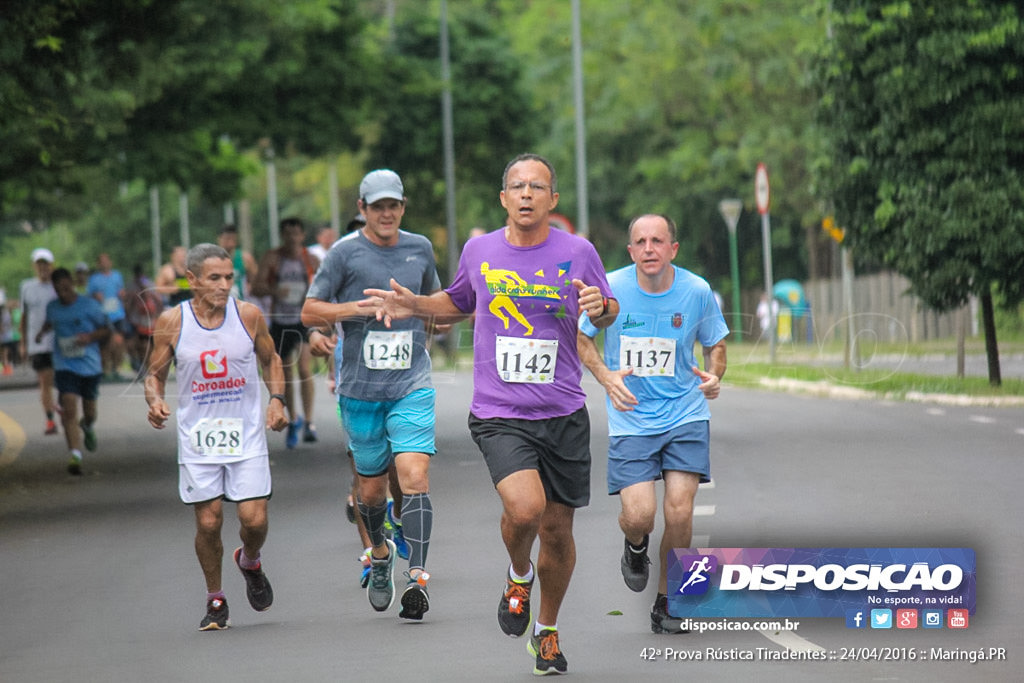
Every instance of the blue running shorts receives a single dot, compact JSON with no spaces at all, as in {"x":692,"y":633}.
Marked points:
{"x":377,"y":429}
{"x":633,"y":459}
{"x":86,"y":386}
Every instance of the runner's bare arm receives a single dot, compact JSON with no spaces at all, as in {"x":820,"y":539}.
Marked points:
{"x":714,"y":361}
{"x":399,"y":303}
{"x":321,"y":315}
{"x":166,"y":330}
{"x":601,"y":310}
{"x":622,"y":398}
{"x":270,"y":363}
{"x":322,"y":343}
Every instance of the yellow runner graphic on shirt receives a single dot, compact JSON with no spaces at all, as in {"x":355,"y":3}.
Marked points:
{"x":503,"y":285}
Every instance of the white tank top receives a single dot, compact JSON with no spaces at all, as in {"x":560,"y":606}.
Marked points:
{"x":220,"y":411}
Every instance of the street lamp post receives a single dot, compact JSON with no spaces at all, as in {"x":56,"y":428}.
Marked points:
{"x":730,"y":210}
{"x":761,"y":191}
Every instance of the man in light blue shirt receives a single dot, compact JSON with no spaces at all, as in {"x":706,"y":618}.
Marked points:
{"x":106,"y":285}
{"x":79,"y":327}
{"x":657,"y":396}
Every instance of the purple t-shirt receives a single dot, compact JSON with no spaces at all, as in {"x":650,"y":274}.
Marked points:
{"x":525,"y":363}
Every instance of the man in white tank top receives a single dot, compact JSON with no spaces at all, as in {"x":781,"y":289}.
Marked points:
{"x":219,"y":345}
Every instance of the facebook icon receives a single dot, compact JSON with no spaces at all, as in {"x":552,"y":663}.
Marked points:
{"x":855,"y":618}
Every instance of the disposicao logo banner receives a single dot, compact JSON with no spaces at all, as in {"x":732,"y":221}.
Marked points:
{"x":817,"y":582}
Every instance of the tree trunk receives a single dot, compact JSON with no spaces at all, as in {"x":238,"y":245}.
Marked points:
{"x":988,"y":321}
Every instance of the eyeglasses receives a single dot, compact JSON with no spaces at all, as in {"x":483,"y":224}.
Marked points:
{"x":520,"y":186}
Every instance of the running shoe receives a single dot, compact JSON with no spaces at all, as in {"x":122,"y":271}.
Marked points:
{"x":257,"y":587}
{"x":51,"y":428}
{"x":550,"y":659}
{"x":291,"y":437}
{"x":415,"y":601}
{"x":75,"y":464}
{"x":216,"y":615}
{"x":350,"y":510}
{"x":514,"y":608}
{"x":635,"y":566}
{"x":389,"y":525}
{"x":395,"y":527}
{"x":90,"y":435}
{"x":309,"y":433}
{"x":381,"y":589}
{"x":661,"y":620}
{"x":364,"y":577}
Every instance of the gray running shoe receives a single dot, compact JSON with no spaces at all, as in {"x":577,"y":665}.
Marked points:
{"x":514,"y":608}
{"x":415,"y":600}
{"x":661,"y":620}
{"x":216,"y":617}
{"x":550,"y":659}
{"x":257,"y":587}
{"x":635,"y":566}
{"x":381,"y":590}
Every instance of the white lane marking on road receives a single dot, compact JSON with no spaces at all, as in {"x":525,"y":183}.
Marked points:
{"x":700,"y":541}
{"x":708,"y":485}
{"x":1019,"y":430}
{"x":791,"y":641}
{"x":936,"y":411}
{"x":982,"y":419}
{"x":703,"y":510}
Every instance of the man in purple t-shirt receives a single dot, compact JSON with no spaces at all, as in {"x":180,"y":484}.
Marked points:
{"x":527,"y":284}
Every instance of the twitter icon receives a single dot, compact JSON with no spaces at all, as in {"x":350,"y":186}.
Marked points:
{"x":881,"y":618}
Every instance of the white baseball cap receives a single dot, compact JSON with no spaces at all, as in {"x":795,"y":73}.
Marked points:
{"x":381,"y":184}
{"x":42,"y":254}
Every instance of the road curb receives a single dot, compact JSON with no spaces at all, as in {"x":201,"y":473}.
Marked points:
{"x":835,"y":391}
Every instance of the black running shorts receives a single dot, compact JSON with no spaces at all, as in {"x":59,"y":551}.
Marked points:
{"x":557,"y":447}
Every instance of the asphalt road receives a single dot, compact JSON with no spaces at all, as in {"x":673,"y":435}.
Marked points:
{"x":98,"y":580}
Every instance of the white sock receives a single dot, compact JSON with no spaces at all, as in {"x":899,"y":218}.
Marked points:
{"x":521,"y":579}
{"x":538,"y":627}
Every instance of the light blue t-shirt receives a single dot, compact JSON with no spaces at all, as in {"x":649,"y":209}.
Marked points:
{"x":109,"y":285}
{"x":84,"y":314}
{"x":660,"y":328}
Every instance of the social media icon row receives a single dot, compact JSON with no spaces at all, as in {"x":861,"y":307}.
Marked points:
{"x":906,"y":618}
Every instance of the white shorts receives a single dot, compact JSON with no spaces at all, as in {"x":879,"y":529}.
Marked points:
{"x":233,"y":481}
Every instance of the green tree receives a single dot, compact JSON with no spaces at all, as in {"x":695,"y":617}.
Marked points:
{"x":170,"y":91}
{"x":490,"y":123}
{"x":683,"y":100}
{"x":923,"y":113}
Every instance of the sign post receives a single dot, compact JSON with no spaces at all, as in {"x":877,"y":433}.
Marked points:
{"x":761,"y":191}
{"x":731,"y":210}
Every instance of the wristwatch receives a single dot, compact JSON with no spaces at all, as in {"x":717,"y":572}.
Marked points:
{"x":279,"y":397}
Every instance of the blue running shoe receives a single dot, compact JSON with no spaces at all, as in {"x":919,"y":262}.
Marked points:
{"x":364,"y":562}
{"x":291,"y":439}
{"x":309,"y":434}
{"x":396,"y":532}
